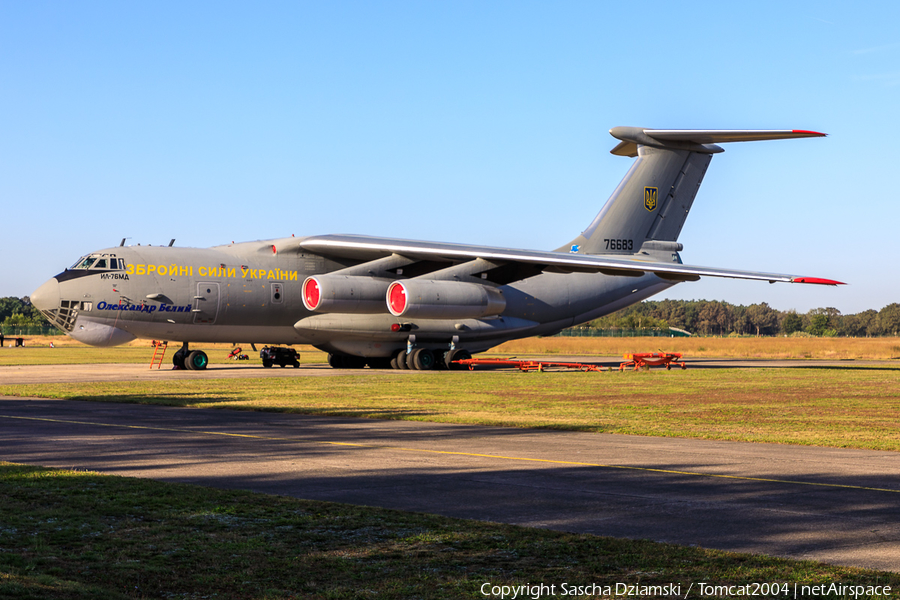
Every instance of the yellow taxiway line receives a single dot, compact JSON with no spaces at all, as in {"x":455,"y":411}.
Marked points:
{"x":457,"y":453}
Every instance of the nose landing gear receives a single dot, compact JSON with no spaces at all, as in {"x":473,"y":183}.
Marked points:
{"x":184,"y":358}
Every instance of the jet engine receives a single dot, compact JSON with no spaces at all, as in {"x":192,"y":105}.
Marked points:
{"x":345,"y":294}
{"x":432,"y":299}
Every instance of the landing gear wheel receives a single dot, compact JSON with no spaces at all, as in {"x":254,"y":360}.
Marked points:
{"x":178,"y":360}
{"x":197,"y":360}
{"x":401,"y":360}
{"x":421,"y":359}
{"x":345,"y":361}
{"x":354,"y":362}
{"x":458,"y":354}
{"x":379,"y":363}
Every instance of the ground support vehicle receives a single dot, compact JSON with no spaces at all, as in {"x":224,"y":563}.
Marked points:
{"x":647,"y":359}
{"x":274,"y":355}
{"x":527,"y":365}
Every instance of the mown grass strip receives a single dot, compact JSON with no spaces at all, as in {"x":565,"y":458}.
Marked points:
{"x":66,"y":534}
{"x":848,"y":408}
{"x":135,"y":353}
{"x":882,"y":348}
{"x":37,"y":349}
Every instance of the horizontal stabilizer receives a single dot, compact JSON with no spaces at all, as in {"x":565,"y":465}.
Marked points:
{"x":698,"y":140}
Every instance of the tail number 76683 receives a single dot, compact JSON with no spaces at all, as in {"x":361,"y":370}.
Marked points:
{"x":619,"y":244}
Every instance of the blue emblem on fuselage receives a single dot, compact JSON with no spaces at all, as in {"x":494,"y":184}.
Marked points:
{"x":575,"y":248}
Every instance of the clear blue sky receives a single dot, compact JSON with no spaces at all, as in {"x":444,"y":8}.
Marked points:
{"x":480,"y":122}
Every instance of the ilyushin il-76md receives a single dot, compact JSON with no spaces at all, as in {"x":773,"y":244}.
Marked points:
{"x":396,"y":303}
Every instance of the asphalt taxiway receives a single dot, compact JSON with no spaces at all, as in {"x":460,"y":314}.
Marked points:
{"x":833,"y":505}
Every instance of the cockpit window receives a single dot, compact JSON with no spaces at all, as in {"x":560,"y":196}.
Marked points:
{"x":94,"y":262}
{"x":84,"y":263}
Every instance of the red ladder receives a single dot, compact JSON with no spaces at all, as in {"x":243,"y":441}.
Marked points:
{"x":158,"y":348}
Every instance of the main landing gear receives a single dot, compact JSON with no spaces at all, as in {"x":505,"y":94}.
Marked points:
{"x":346,"y":361}
{"x":412,"y":358}
{"x":423,"y":359}
{"x":186,"y":359}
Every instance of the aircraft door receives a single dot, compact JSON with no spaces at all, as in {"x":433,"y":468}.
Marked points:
{"x":206,"y":303}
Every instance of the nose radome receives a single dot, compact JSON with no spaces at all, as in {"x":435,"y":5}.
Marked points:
{"x":46,"y":297}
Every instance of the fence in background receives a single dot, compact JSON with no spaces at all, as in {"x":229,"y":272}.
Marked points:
{"x":590,"y":332}
{"x":20,"y":330}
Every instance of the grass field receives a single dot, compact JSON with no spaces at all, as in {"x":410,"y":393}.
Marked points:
{"x":37,"y":351}
{"x":80,"y":535}
{"x":848,"y":407}
{"x":699,"y":347}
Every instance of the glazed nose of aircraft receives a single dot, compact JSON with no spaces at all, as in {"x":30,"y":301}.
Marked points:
{"x":46,"y":297}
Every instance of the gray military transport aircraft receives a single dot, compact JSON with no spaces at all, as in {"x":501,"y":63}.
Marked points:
{"x":398,"y":303}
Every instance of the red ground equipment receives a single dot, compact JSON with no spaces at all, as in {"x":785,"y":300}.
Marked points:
{"x":236,"y":355}
{"x":159,"y":352}
{"x":646,"y":360}
{"x":526,"y":365}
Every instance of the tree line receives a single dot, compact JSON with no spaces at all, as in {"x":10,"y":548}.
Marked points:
{"x":20,"y":311}
{"x":704,"y":317}
{"x":712,"y":317}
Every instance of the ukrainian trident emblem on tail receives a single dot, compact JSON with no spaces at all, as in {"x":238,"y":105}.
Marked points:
{"x":650,"y":195}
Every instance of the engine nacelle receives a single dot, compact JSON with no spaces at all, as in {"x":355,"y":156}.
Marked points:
{"x":345,"y":294}
{"x":434,"y":299}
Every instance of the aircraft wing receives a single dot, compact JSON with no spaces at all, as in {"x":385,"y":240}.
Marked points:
{"x":365,"y":248}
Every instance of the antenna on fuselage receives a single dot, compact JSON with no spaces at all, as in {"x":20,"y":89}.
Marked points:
{"x":171,"y":242}
{"x":123,"y":243}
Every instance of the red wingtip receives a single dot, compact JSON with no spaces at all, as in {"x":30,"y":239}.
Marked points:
{"x":808,"y":132}
{"x":817,"y":281}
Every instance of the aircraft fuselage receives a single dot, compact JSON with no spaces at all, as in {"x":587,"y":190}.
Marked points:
{"x":249,"y":292}
{"x":405,"y":303}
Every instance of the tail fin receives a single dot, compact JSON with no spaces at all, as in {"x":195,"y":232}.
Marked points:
{"x":653,"y":200}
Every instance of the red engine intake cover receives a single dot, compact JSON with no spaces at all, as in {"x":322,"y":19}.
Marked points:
{"x":311,"y":293}
{"x":397,"y":298}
